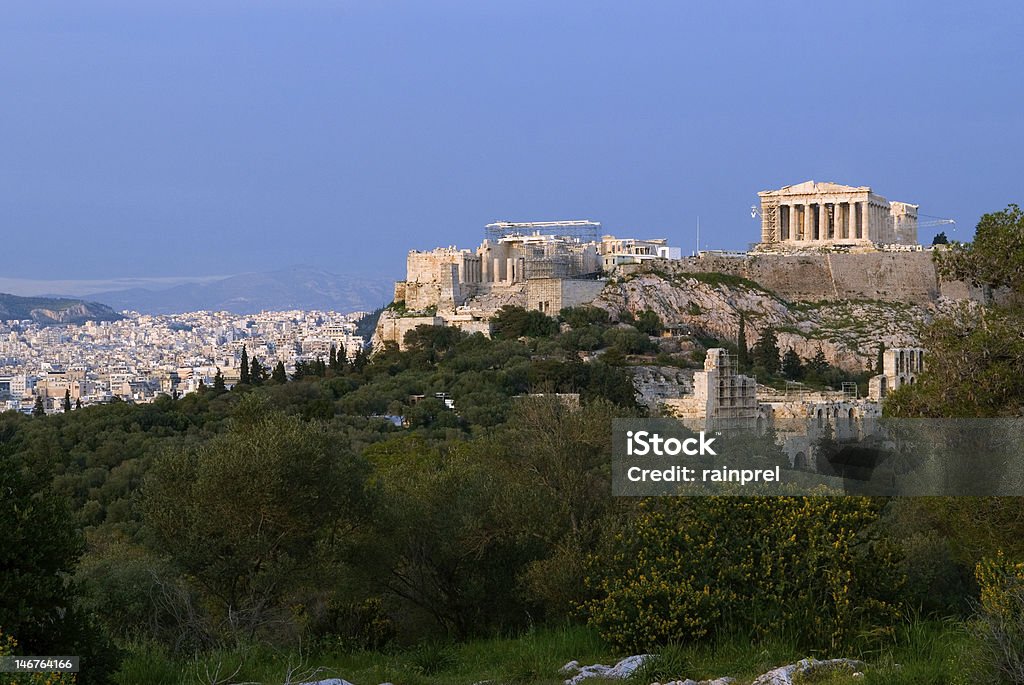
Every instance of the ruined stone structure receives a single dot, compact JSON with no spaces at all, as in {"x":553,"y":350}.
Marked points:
{"x":722,"y":397}
{"x":445,"y":278}
{"x":900,"y":366}
{"x":545,"y":266}
{"x":813,"y":214}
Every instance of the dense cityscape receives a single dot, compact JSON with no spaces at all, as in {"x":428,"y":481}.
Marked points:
{"x":142,"y":357}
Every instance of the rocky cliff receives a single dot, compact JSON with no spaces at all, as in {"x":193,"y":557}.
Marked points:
{"x":847,"y":331}
{"x":54,"y":311}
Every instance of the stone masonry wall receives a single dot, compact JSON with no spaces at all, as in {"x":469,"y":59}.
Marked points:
{"x":908,"y":277}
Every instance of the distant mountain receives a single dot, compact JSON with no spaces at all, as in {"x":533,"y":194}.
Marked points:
{"x":297,"y":287}
{"x":52,"y":310}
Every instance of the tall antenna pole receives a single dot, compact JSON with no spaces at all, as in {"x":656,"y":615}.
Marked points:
{"x":697,"y":253}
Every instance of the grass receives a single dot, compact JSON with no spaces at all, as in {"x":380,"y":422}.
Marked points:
{"x":922,"y":653}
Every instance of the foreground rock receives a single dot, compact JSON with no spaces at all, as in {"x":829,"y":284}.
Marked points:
{"x":805,"y":667}
{"x":622,"y":669}
{"x":782,"y":675}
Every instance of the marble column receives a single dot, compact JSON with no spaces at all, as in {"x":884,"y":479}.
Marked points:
{"x":791,"y":217}
{"x":866,"y":224}
{"x":822,"y":221}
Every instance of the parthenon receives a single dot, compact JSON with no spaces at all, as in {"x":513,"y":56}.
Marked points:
{"x":811,"y":214}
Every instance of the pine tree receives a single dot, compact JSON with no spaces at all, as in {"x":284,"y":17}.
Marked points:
{"x":742,"y":355}
{"x":279,"y":375}
{"x":880,"y":361}
{"x":766,"y":352}
{"x":67,"y":400}
{"x":78,"y":403}
{"x":244,"y":368}
{"x":818,"y":366}
{"x":361,"y":359}
{"x":201,"y":388}
{"x":792,"y":366}
{"x":342,"y":358}
{"x":256,"y":372}
{"x":218,"y":381}
{"x":39,"y":409}
{"x":332,"y":361}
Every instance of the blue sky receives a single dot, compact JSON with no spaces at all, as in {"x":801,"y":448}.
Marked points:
{"x":169,"y":138}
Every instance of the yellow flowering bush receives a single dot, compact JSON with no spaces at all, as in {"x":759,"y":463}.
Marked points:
{"x":9,"y":647}
{"x":687,"y":568}
{"x":1001,"y":613}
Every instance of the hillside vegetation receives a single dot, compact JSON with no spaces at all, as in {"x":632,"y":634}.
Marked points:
{"x":849,"y":332}
{"x":350,"y":517}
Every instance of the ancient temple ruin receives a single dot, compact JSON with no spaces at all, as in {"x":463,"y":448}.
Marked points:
{"x":900,"y":366}
{"x":814,"y":214}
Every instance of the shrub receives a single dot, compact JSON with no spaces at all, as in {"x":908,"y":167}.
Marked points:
{"x":8,"y":647}
{"x":1001,"y":614}
{"x":685,"y":569}
{"x":512,"y":322}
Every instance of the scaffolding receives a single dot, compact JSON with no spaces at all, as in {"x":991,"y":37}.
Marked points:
{"x":735,"y":403}
{"x":769,"y":221}
{"x":579,"y":230}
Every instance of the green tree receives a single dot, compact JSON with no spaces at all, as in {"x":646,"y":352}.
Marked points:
{"x":446,"y":551}
{"x":279,"y":375}
{"x":332,"y":360}
{"x":257,"y":374}
{"x":649,"y":323}
{"x":581,"y":317}
{"x":940,"y":239}
{"x":218,"y":381}
{"x":974,"y":359}
{"x":766,"y":352}
{"x":742,"y":354}
{"x":39,"y":547}
{"x":817,"y":366}
{"x":792,"y":365}
{"x":880,"y":360}
{"x":996,"y":255}
{"x":243,"y":378}
{"x":78,"y":403}
{"x":258,"y":516}
{"x":974,"y":364}
{"x":38,"y":409}
{"x":511,"y":322}
{"x":629,"y":340}
{"x":67,"y":400}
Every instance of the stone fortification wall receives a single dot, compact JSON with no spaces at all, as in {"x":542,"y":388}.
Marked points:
{"x":907,"y":277}
{"x":551,"y":295}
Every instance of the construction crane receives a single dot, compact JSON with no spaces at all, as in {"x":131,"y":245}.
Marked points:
{"x":933,"y":221}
